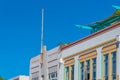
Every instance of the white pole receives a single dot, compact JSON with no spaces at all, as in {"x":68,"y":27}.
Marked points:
{"x":42,"y":29}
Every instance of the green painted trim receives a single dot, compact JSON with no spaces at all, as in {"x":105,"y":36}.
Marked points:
{"x":96,"y":26}
{"x":79,"y":73}
{"x":64,"y":73}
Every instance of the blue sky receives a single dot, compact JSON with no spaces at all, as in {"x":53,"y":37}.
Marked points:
{"x":20,"y":27}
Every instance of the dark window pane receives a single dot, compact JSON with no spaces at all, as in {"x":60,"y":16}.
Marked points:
{"x":88,"y":70}
{"x":114,"y":65}
{"x":82,"y":70}
{"x":67,"y":73}
{"x":94,"y":69}
{"x":106,"y":66}
{"x":72,"y":72}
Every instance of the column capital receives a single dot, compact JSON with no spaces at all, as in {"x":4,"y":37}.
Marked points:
{"x":76,"y":57}
{"x":99,"y":50}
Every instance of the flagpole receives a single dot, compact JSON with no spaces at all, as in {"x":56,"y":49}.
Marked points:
{"x":42,"y":29}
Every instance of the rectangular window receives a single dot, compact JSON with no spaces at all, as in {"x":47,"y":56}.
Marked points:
{"x":88,"y":70}
{"x":106,"y":66}
{"x":35,"y":75}
{"x":94,"y":69}
{"x":72,"y":72}
{"x":53,"y":75}
{"x":114,"y":66}
{"x":36,"y":78}
{"x":82,"y":70}
{"x":52,"y":72}
{"x":56,"y":75}
{"x":67,"y":73}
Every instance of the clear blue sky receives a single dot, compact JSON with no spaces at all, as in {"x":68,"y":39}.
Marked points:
{"x":20,"y":28}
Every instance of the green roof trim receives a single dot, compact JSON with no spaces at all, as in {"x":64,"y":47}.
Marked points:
{"x":96,"y":26}
{"x":115,"y":17}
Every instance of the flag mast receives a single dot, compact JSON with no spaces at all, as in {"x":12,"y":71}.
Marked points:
{"x":42,"y":29}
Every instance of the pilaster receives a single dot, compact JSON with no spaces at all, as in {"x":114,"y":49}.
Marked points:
{"x":61,"y":73}
{"x":76,"y":68}
{"x":118,"y":57}
{"x":79,"y":71}
{"x":99,"y":63}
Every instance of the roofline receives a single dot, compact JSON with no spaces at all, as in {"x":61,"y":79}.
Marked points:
{"x":35,"y":57}
{"x":53,"y":49}
{"x":92,"y":35}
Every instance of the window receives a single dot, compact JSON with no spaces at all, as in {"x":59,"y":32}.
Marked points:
{"x":52,"y":72}
{"x":94,"y":69}
{"x":88,"y":70}
{"x":67,"y":73}
{"x":114,"y":66}
{"x":53,"y":75}
{"x":35,"y":76}
{"x":82,"y":70}
{"x":72,"y":72}
{"x":110,"y":60}
{"x":106,"y":66}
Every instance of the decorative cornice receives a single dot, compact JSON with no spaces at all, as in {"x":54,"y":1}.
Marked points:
{"x":90,"y":49}
{"x":87,"y":56}
{"x":109,"y":48}
{"x":69,"y":62}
